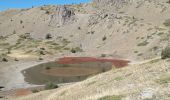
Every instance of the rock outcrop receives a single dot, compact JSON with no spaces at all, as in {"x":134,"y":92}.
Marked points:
{"x":63,"y":15}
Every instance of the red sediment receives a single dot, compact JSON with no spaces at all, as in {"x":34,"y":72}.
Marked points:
{"x":73,"y":60}
{"x":22,"y":92}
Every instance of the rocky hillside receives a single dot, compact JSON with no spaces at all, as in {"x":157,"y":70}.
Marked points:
{"x":112,"y":28}
{"x":129,"y":29}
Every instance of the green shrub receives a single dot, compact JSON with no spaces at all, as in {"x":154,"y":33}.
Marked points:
{"x":73,"y":50}
{"x":4,"y":59}
{"x":1,"y":97}
{"x":40,"y":58}
{"x":35,"y":91}
{"x":165,"y":53}
{"x":51,"y":85}
{"x":77,"y":49}
{"x":144,"y":43}
{"x":15,"y":59}
{"x":47,"y":67}
{"x":167,"y":22}
{"x":42,"y":52}
{"x":104,"y":38}
{"x":103,"y":55}
{"x":164,"y":80}
{"x":168,"y":1}
{"x":48,"y":36}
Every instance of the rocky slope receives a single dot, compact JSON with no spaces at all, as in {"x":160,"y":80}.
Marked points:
{"x":115,"y":28}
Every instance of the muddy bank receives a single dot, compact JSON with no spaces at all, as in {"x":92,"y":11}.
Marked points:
{"x":71,"y":60}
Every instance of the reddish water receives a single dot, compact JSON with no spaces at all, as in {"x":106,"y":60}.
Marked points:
{"x":70,"y":69}
{"x":73,"y":60}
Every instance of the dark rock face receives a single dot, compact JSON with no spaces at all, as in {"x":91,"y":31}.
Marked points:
{"x":63,"y":15}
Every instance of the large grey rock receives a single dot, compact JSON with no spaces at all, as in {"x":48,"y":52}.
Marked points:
{"x":148,"y":93}
{"x":63,"y":15}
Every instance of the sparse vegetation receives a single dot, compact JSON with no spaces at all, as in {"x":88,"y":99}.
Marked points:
{"x":144,"y":43}
{"x":164,"y":79}
{"x":135,"y":51}
{"x":1,"y":97}
{"x":79,"y":28}
{"x":42,"y":52}
{"x":47,"y":68}
{"x":103,"y":55}
{"x":14,"y":32}
{"x":165,"y":53}
{"x":167,"y":23}
{"x":21,"y":21}
{"x":48,"y":36}
{"x":4,"y":59}
{"x":35,"y":91}
{"x":77,"y":49}
{"x":113,"y":97}
{"x":104,"y":38}
{"x":73,"y":50}
{"x":119,"y":78}
{"x":50,"y":85}
{"x":16,"y":59}
{"x":140,"y":54}
{"x":168,"y":1}
{"x":40,"y":58}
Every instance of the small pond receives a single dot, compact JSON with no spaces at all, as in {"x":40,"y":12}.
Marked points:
{"x":59,"y":72}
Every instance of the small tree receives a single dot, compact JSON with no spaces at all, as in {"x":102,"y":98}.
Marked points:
{"x":4,"y":59}
{"x":104,"y":38}
{"x":34,"y":91}
{"x":51,"y":85}
{"x":73,"y":50}
{"x":167,"y":23}
{"x":165,"y":53}
{"x":48,"y":36}
{"x":21,"y":21}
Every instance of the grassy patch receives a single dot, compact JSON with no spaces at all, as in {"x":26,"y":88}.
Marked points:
{"x":154,"y":61}
{"x":91,"y":83}
{"x":63,"y":93}
{"x":160,"y":33}
{"x":165,"y":53}
{"x":164,"y":79}
{"x":119,"y":78}
{"x":113,"y":97}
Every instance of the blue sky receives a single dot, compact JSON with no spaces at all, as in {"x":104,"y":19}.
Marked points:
{"x":5,"y":4}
